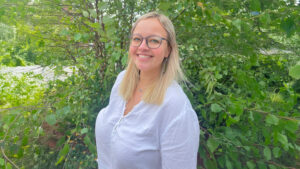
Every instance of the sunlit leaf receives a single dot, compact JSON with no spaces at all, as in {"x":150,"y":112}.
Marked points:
{"x":288,"y":26}
{"x":212,"y":144}
{"x":295,"y":71}
{"x":272,"y":120}
{"x":51,"y":119}
{"x":77,"y":36}
{"x":267,"y":153}
{"x":63,"y":152}
{"x":276,"y":152}
{"x":1,"y":161}
{"x":237,"y":24}
{"x":85,"y":13}
{"x":84,"y":130}
{"x":250,"y":165}
{"x":215,"y":107}
{"x":255,"y":5}
{"x":282,"y":139}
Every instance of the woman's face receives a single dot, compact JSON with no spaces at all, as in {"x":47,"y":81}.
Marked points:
{"x":146,"y":59}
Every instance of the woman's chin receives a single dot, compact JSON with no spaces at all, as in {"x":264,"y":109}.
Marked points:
{"x":143,"y":69}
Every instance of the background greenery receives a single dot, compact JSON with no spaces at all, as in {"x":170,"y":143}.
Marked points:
{"x":242,"y":59}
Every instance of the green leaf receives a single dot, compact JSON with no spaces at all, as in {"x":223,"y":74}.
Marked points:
{"x":210,"y":164}
{"x":267,"y":153}
{"x":272,"y":120}
{"x":89,"y":143}
{"x":229,"y":133}
{"x":1,"y":161}
{"x":215,"y":108}
{"x":294,"y":72}
{"x":93,"y":13}
{"x":77,"y":36}
{"x":251,"y":116}
{"x":288,"y":26}
{"x":8,"y":166}
{"x":276,"y":152}
{"x":250,"y":165}
{"x":282,"y":139}
{"x":103,"y":5}
{"x":217,"y":17}
{"x":108,"y":21}
{"x":84,"y":130}
{"x":272,"y":166}
{"x":236,"y":108}
{"x":51,"y":119}
{"x":64,"y":32}
{"x":265,"y":19}
{"x":262,"y":165}
{"x":41,"y":43}
{"x":85,"y":13}
{"x":291,"y":126}
{"x":228,"y":164}
{"x":63,"y":152}
{"x":61,"y":113}
{"x":237,"y":24}
{"x":164,"y":6}
{"x":255,"y":5}
{"x":212,"y":144}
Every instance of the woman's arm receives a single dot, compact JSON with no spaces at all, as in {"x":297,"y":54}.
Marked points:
{"x":180,"y":139}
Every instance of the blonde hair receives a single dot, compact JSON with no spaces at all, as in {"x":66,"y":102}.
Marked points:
{"x":171,"y":69}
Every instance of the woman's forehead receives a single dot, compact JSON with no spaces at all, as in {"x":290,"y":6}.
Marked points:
{"x":150,"y":26}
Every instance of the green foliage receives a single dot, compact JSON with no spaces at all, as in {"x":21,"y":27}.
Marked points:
{"x":247,"y":100}
{"x":7,"y":32}
{"x":295,"y":72}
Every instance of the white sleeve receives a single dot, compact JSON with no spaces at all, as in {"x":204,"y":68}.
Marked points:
{"x":180,"y":140}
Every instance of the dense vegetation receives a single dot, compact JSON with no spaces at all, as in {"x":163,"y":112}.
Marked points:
{"x":242,"y":59}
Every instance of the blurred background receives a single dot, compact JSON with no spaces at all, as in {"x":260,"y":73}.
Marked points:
{"x":59,"y":60}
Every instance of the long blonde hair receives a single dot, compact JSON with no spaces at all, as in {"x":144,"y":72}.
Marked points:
{"x":171,"y":69}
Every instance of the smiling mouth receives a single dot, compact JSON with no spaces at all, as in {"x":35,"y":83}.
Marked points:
{"x":144,"y":56}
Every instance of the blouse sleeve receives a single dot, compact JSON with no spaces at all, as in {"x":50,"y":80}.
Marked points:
{"x":180,"y":140}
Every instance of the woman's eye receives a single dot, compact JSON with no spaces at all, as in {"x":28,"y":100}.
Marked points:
{"x":154,"y":41}
{"x":136,"y":39}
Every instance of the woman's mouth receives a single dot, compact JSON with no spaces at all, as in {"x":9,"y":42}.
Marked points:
{"x":144,"y":56}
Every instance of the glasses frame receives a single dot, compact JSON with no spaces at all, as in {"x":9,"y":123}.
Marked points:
{"x":146,"y":38}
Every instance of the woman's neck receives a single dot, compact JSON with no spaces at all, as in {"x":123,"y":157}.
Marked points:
{"x":147,"y":79}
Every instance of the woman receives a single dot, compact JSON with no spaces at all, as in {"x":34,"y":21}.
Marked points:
{"x":149,"y":122}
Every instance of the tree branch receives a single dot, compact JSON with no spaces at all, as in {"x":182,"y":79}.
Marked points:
{"x":182,"y":11}
{"x":11,"y":162}
{"x":282,"y":117}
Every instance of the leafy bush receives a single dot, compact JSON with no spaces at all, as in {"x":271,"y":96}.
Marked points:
{"x":241,"y":58}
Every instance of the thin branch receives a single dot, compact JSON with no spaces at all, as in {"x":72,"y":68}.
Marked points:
{"x":11,"y":162}
{"x":283,"y":117}
{"x":23,"y":107}
{"x":70,"y":13}
{"x":41,"y":4}
{"x":9,"y":128}
{"x":272,"y":162}
{"x":182,"y":11}
{"x":43,"y":15}
{"x":205,"y":130}
{"x":53,"y":23}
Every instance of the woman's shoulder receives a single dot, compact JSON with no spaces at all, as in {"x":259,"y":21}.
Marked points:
{"x":120,"y":76}
{"x":118,"y":80}
{"x":177,"y":107}
{"x":176,"y":100}
{"x":175,"y":94}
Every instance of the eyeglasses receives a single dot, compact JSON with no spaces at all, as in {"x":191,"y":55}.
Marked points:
{"x":152,"y":41}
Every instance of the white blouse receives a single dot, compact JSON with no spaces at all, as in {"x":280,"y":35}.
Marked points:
{"x":149,"y":136}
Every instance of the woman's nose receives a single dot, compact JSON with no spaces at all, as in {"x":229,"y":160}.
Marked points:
{"x":144,"y":44}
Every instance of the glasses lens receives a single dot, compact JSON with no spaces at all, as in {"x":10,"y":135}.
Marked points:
{"x":136,"y":40}
{"x":154,"y":42}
